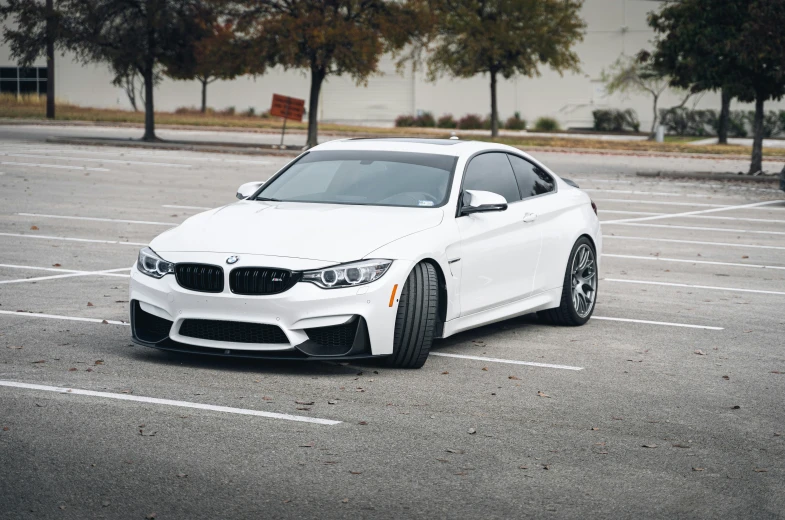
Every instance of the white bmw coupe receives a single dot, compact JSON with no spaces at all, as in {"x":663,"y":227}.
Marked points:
{"x":371,"y":248}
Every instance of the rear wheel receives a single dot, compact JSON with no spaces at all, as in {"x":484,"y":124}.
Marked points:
{"x":415,"y":322}
{"x":579,"y":293}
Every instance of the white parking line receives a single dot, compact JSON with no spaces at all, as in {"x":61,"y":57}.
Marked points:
{"x":708,"y":217}
{"x":695,"y":228}
{"x":87,"y":159}
{"x":97,"y":219}
{"x":665,"y":323}
{"x":107,"y":272}
{"x":170,"y":402}
{"x":45,"y":237}
{"x":506,"y":361}
{"x":688,"y":213}
{"x":692,"y":204}
{"x":123,"y":153}
{"x":183,"y":207}
{"x":58,"y":317}
{"x":659,"y":258}
{"x":675,"y":241}
{"x":58,"y":166}
{"x":654,"y":193}
{"x":691,"y":286}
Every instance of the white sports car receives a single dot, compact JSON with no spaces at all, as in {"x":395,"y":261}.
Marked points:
{"x":371,"y":247}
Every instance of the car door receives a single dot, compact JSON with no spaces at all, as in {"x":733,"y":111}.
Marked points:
{"x":499,"y":249}
{"x":538,"y":194}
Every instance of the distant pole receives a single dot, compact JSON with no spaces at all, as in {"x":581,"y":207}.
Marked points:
{"x":50,"y":60}
{"x":283,"y":131}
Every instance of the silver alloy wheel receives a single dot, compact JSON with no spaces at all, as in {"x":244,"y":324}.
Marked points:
{"x":584,"y":280}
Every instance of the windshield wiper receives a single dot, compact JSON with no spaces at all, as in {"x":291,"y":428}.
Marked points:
{"x":267,"y":199}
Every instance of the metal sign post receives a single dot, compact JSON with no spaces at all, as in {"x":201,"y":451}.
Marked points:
{"x":283,"y":130}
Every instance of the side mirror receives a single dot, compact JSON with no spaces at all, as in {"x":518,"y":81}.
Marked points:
{"x":475,"y":201}
{"x":248,"y":189}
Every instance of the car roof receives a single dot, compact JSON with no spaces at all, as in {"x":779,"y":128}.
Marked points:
{"x":454,"y":147}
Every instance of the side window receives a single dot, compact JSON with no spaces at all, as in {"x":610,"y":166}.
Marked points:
{"x":492,"y":172}
{"x":532,"y":180}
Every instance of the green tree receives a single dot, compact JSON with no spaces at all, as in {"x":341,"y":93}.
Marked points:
{"x":504,"y":38}
{"x":218,"y":56}
{"x":32,"y":34}
{"x":737,"y":46}
{"x":325,"y":38}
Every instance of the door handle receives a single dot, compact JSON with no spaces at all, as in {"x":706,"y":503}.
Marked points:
{"x":530,"y":217}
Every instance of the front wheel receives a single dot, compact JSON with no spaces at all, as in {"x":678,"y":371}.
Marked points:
{"x":415,"y":322}
{"x":579,"y":293}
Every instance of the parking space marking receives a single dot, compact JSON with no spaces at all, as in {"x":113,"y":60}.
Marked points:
{"x":107,"y":272}
{"x":58,"y":166}
{"x":675,"y":241}
{"x":121,"y":153}
{"x":688,"y":213}
{"x":707,"y":217}
{"x":183,"y":207}
{"x":696,"y":228}
{"x":170,"y":402}
{"x":58,"y":317}
{"x":729,"y":264}
{"x":654,"y":193}
{"x":506,"y":361}
{"x":669,"y":203}
{"x":691,"y":286}
{"x":664,"y":323}
{"x":97,"y":219}
{"x":45,"y":237}
{"x":87,"y":159}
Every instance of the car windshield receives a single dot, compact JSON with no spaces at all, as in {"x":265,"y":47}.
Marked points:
{"x":373,"y":178}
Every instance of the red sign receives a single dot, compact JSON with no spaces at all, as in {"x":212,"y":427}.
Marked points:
{"x":287,"y":107}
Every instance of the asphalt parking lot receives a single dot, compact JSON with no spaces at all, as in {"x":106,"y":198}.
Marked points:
{"x":668,"y":403}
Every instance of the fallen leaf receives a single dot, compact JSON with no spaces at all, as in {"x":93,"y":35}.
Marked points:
{"x":445,"y":373}
{"x":523,"y":467}
{"x":15,"y":348}
{"x":649,"y":446}
{"x":332,"y":402}
{"x":307,"y":403}
{"x":362,"y":423}
{"x":72,"y":369}
{"x":89,"y":370}
{"x":698,"y":469}
{"x":105,"y":503}
{"x":287,"y":501}
{"x":35,"y":228}
{"x":484,"y":369}
{"x":681,"y":445}
{"x":735,"y":407}
{"x":6,"y":428}
{"x":89,"y":304}
{"x":595,"y":429}
{"x":309,"y":445}
{"x":99,"y":362}
{"x":58,"y":507}
{"x":542,"y":394}
{"x":472,"y":431}
{"x":182,"y":475}
{"x":514,"y":378}
{"x":104,"y":322}
{"x":726,"y":378}
{"x":39,"y":361}
{"x":462,"y":473}
{"x":356,"y":472}
{"x":546,"y":466}
{"x":452,"y":450}
{"x":345,"y":500}
{"x":56,"y":265}
{"x":760,"y":470}
{"x":303,"y":408}
{"x":151,"y":516}
{"x":745,"y":256}
{"x":700,"y":352}
{"x":773,"y":371}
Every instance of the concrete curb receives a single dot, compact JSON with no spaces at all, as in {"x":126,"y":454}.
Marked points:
{"x":708,"y":176}
{"x":207,"y":146}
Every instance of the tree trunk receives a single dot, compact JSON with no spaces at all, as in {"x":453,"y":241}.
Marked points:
{"x":50,"y":60}
{"x":204,"y":94}
{"x":317,"y":77}
{"x":722,"y":131}
{"x":149,"y":112}
{"x":653,"y":132}
{"x":757,"y":137}
{"x":494,"y":107}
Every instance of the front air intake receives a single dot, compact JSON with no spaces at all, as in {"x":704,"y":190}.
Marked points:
{"x":261,"y":280}
{"x":200,"y":277}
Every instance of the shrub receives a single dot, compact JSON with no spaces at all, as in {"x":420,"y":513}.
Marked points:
{"x":515,"y":122}
{"x":250,"y":112}
{"x":228,"y":111}
{"x":470,"y":122}
{"x":737,"y":123}
{"x":614,"y":120}
{"x":683,"y":121}
{"x":405,"y":121}
{"x":486,"y":123}
{"x":425,"y":120}
{"x":771,"y":123}
{"x":446,"y":121}
{"x":546,"y":124}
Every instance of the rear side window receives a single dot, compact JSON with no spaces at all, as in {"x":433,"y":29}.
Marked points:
{"x":532,"y":180}
{"x":492,"y":172}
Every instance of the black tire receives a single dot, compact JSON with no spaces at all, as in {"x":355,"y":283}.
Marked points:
{"x":416,"y":320}
{"x":566,"y":314}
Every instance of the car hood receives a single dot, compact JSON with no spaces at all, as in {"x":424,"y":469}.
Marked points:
{"x":328,"y":232}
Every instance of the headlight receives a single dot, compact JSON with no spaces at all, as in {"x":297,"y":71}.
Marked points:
{"x":153,"y":265}
{"x":348,"y":275}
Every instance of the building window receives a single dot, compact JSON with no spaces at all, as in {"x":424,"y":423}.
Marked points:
{"x":21,"y":81}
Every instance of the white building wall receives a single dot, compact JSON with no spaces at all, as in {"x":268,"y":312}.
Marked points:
{"x":613,"y":27}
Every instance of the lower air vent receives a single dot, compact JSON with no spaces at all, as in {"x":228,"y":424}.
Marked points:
{"x":232,"y":331}
{"x":148,"y":327}
{"x":334,"y":335}
{"x":200,"y":277}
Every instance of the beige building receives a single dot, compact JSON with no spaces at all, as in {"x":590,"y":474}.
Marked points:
{"x":614,"y":27}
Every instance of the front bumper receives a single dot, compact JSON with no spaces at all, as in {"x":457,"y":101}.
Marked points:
{"x":309,"y":317}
